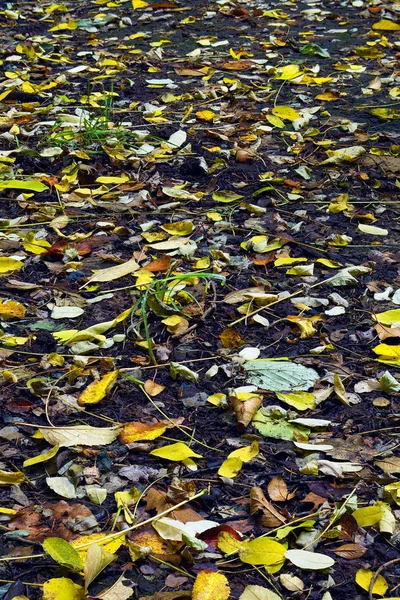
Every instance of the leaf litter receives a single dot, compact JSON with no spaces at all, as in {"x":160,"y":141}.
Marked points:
{"x":199,"y":332}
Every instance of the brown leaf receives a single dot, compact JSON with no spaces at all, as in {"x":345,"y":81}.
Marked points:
{"x":230,"y":338}
{"x":278,"y":491}
{"x":238,"y":65}
{"x":385,"y":332}
{"x":49,"y":520}
{"x":350,"y":551}
{"x":159,"y":265}
{"x":246,"y":410}
{"x":314,"y":499}
{"x":391,"y":464}
{"x":270,"y":516}
{"x":153,"y":388}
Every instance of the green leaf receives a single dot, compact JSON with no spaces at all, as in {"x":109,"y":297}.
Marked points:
{"x":63,"y":553}
{"x":29,"y":185}
{"x":279,"y":375}
{"x":226,"y":196}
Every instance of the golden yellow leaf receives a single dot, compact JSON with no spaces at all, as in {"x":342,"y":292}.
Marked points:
{"x":363,"y":579}
{"x":135,"y":431}
{"x":210,"y":586}
{"x":389,"y":317}
{"x":139,"y":4}
{"x":29,"y":462}
{"x":300,"y":400}
{"x":7,"y":265}
{"x":386,"y":25}
{"x":230,"y":467}
{"x":178,"y":228}
{"x":62,"y":588}
{"x":11,"y":309}
{"x":227,"y":543}
{"x":97,"y":390}
{"x":31,"y":244}
{"x":111,"y":545}
{"x":205,"y":115}
{"x":175,"y":452}
{"x":286,"y":113}
{"x":262,"y":551}
{"x":8,"y":478}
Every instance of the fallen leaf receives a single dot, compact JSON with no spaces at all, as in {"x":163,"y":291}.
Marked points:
{"x":98,"y":390}
{"x":309,"y":560}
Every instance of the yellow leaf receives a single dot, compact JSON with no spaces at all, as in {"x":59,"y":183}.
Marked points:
{"x":287,"y":72}
{"x":368,"y":516}
{"x":388,"y":354}
{"x":62,"y":588}
{"x":205,"y":115}
{"x":245,"y":454}
{"x":214,"y":216}
{"x":305,"y":325}
{"x":97,"y":390}
{"x":7,"y":265}
{"x":7,"y":478}
{"x":363,"y":579}
{"x":210,"y":586}
{"x":135,"y":431}
{"x":139,"y":4}
{"x":113,"y":180}
{"x":70,"y":26}
{"x":178,"y":228}
{"x":175,"y":452}
{"x":340,"y":390}
{"x":28,"y":185}
{"x":386,"y":25}
{"x":176,"y":324}
{"x":111,"y":545}
{"x":63,"y":553}
{"x":11,"y":309}
{"x":202,"y":263}
{"x":10,"y":512}
{"x":230,"y":468}
{"x":286,"y":113}
{"x":227,"y":543}
{"x":328,"y":96}
{"x":31,"y":244}
{"x":113,"y":273}
{"x":29,"y":462}
{"x":275,"y":121}
{"x":331,"y":264}
{"x":389,"y":317}
{"x":262,"y":551}
{"x":300,"y":400}
{"x":286,"y":260}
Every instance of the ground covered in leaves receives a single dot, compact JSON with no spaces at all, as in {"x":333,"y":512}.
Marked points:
{"x":200,"y":299}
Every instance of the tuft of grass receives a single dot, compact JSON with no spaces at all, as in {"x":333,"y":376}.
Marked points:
{"x":152,"y":300}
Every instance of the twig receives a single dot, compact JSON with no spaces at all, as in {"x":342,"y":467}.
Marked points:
{"x":377,"y":573}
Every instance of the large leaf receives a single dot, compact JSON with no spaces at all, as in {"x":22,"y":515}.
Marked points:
{"x":210,"y":586}
{"x":81,"y":435}
{"x":280,"y":375}
{"x":262,"y":551}
{"x":63,"y":553}
{"x":62,"y":588}
{"x":97,"y":559}
{"x":27,"y":185}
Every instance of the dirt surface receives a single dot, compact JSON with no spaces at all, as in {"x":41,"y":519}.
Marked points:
{"x":269,"y":132}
